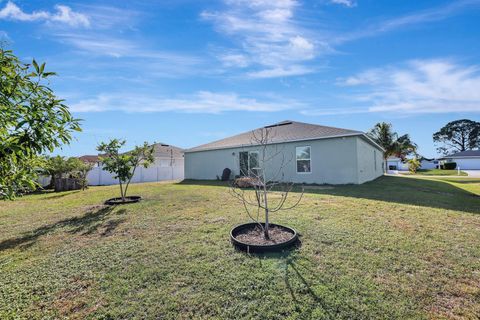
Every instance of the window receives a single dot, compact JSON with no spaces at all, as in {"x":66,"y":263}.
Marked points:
{"x":375,"y":159}
{"x":303,"y":160}
{"x":253,"y":162}
{"x":249,"y":163}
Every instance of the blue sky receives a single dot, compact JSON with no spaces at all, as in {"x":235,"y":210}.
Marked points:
{"x":188,"y":72}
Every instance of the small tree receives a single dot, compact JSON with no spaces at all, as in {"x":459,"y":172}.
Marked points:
{"x":59,"y":167}
{"x":82,"y":170}
{"x":123,"y":165}
{"x":414,"y":164}
{"x":32,"y":121}
{"x":270,"y":192}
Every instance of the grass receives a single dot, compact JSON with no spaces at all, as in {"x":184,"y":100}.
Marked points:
{"x":438,"y":172}
{"x":395,"y":248}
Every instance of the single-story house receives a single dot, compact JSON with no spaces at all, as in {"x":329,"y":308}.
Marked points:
{"x":466,"y":160}
{"x":426,"y":163}
{"x":168,"y":165}
{"x":305,"y":153}
{"x":397,"y":164}
{"x":93,"y":159}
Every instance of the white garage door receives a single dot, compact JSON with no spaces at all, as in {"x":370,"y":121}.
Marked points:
{"x":468,"y":164}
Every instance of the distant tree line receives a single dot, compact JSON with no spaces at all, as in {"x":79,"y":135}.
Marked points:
{"x":455,"y":136}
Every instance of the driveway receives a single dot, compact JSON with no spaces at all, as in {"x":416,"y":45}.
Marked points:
{"x":473,"y":173}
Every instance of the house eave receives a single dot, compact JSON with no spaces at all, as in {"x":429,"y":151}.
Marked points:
{"x":285,"y":141}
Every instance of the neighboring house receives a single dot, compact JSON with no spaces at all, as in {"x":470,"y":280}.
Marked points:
{"x":466,"y":160}
{"x":429,"y":163}
{"x":168,"y":165}
{"x":93,"y":159}
{"x":396,"y":164}
{"x":312,"y":153}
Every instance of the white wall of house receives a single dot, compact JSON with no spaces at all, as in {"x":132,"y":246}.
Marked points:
{"x":397,"y":162}
{"x":466,"y":163}
{"x":333,"y":161}
{"x":370,"y":161}
{"x":433,"y":164}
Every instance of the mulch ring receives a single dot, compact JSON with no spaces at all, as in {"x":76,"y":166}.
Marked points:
{"x":256,"y":236}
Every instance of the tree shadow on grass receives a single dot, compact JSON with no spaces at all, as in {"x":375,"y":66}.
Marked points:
{"x":87,"y":224}
{"x":298,"y":281}
{"x":402,"y":190}
{"x":411,"y":191}
{"x":58,"y":195}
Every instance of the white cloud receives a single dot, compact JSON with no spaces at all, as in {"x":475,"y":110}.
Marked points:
{"x":268,"y":37}
{"x":429,"y":15}
{"x":333,"y":111}
{"x":346,"y":3}
{"x":66,"y":15}
{"x":234,"y":60}
{"x":421,"y":86}
{"x":287,"y":71}
{"x":63,"y":14}
{"x":200,"y":102}
{"x":102,"y":45}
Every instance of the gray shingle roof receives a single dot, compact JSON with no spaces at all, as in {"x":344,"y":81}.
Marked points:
{"x":284,"y":131}
{"x":163,"y":150}
{"x":465,"y":154}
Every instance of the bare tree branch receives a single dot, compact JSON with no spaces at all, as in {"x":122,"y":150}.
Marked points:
{"x":266,"y":178}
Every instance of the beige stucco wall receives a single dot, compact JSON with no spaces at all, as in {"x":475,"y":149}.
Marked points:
{"x":333,"y":161}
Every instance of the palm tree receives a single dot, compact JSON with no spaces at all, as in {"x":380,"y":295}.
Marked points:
{"x":383,"y":134}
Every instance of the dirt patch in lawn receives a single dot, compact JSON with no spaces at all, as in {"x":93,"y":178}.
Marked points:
{"x":256,"y":236}
{"x":460,"y":301}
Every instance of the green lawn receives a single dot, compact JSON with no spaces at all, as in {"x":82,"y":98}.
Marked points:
{"x":438,"y":172}
{"x":395,"y":248}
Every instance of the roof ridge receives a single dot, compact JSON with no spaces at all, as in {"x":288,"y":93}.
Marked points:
{"x":299,"y":131}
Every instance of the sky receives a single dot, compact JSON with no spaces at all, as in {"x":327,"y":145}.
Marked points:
{"x":187,"y":72}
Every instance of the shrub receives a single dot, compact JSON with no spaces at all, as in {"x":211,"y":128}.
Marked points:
{"x":413,"y":165}
{"x":247,"y":182}
{"x":450,"y":165}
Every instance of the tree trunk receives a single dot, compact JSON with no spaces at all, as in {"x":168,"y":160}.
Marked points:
{"x":267,"y":225}
{"x":267,"y":222}
{"x":126,"y":187}
{"x":121,"y":190}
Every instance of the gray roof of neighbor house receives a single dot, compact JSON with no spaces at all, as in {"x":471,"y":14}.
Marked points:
{"x":285,"y":131}
{"x":163,"y":150}
{"x":90,"y":158}
{"x":465,"y":154}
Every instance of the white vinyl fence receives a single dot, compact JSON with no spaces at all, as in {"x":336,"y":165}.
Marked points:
{"x":160,"y":171}
{"x":99,"y":177}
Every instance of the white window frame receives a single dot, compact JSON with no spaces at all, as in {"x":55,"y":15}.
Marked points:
{"x":296,"y":160}
{"x":258,"y":159}
{"x":248,"y":160}
{"x":375,"y":159}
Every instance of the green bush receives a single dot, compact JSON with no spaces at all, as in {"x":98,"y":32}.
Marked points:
{"x":450,"y":165}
